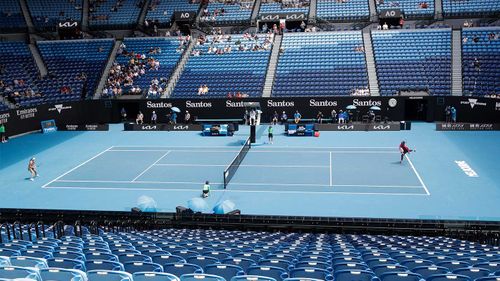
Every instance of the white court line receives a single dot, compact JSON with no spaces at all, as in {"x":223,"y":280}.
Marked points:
{"x":257,"y":151}
{"x":81,"y":164}
{"x":263,"y":166}
{"x":241,"y":183}
{"x":418,"y":175}
{"x":264,"y":147}
{"x":151,"y":166}
{"x":331,"y":178}
{"x":241,"y":191}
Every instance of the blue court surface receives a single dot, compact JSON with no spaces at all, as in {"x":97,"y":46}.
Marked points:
{"x":341,"y":174}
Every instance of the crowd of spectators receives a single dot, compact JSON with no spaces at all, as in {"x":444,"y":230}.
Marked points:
{"x":122,"y":76}
{"x":290,"y":3}
{"x":208,"y":15}
{"x":361,"y":92}
{"x":220,"y":44}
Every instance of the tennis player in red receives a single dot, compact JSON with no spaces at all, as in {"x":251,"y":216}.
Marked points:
{"x":404,"y":149}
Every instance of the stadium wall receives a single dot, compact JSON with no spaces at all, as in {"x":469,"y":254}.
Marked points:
{"x":22,"y":120}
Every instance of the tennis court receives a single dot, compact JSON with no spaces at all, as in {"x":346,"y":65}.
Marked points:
{"x":341,"y":174}
{"x":264,"y":169}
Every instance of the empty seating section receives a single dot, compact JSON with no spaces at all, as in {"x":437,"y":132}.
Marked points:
{"x":69,"y":62}
{"x":162,"y":50}
{"x":342,"y":10}
{"x":470,"y":8}
{"x":114,"y":13}
{"x":284,"y":6}
{"x":234,"y":13}
{"x":271,"y":256}
{"x":321,"y":64}
{"x":418,"y":60}
{"x":241,"y":71}
{"x":18,"y":73}
{"x":47,"y":13}
{"x":481,"y":77}
{"x":163,"y":10}
{"x":11,"y":17}
{"x":409,"y":8}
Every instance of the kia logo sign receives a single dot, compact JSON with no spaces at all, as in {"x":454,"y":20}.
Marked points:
{"x":181,"y":127}
{"x":149,"y":127}
{"x":345,"y":127}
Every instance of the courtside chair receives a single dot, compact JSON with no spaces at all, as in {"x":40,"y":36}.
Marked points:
{"x":106,"y":275}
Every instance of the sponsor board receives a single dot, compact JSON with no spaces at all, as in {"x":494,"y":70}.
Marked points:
{"x":155,"y":105}
{"x":198,"y":104}
{"x":162,"y":127}
{"x":367,"y":103}
{"x":84,"y":127}
{"x":26,"y":113}
{"x":473,"y":103}
{"x":467,"y":127}
{"x":282,"y":16}
{"x":4,"y":117}
{"x":389,"y":13}
{"x":59,"y":107}
{"x":323,"y":103}
{"x":392,"y":126}
{"x":466,"y":169}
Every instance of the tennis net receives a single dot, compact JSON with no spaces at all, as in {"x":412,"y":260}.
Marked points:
{"x":235,"y":164}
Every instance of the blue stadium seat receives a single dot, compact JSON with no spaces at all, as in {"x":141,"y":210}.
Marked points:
{"x":69,"y":255}
{"x":103,"y":265}
{"x":426,"y":271}
{"x":202,"y":261}
{"x":106,"y":275}
{"x":5,"y":261}
{"x":448,"y":277}
{"x":315,"y":273}
{"x":381,"y":269}
{"x":351,"y":275}
{"x":276,"y":263}
{"x":178,"y":269}
{"x":154,"y":276}
{"x":268,"y":271}
{"x":66,"y":263}
{"x":200,"y":276}
{"x":472,"y":272}
{"x":252,"y":278}
{"x":101,"y":256}
{"x":227,"y":271}
{"x":400,"y":276}
{"x":163,"y":259}
{"x":13,"y":272}
{"x":28,"y":262}
{"x":133,"y":267}
{"x":62,"y":274}
{"x":123,"y":258}
{"x":242,"y":262}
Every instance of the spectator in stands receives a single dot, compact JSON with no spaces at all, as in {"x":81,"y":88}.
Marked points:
{"x":303,"y":26}
{"x":205,"y":89}
{"x":200,"y":90}
{"x":140,"y":118}
{"x":475,"y":39}
{"x":297,"y":117}
{"x":2,"y":133}
{"x":319,"y":117}
{"x":401,"y":22}
{"x":284,"y":118}
{"x":274,"y":119}
{"x":385,"y":26}
{"x":187,"y":117}
{"x":423,"y":5}
{"x":154,"y":117}
{"x":206,"y":189}
{"x":477,"y":64}
{"x":453,"y":114}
